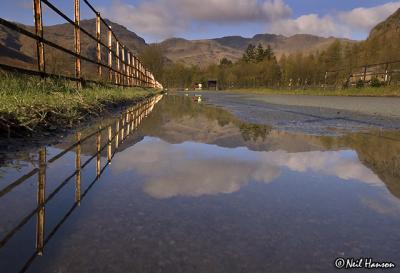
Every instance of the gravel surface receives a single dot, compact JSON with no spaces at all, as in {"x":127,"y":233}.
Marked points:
{"x":311,"y":114}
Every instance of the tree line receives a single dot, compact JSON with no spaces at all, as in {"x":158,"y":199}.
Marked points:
{"x":259,"y":66}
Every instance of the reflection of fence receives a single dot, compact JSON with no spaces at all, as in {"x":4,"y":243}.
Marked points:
{"x":386,"y":73}
{"x":124,"y":127}
{"x":129,"y":70}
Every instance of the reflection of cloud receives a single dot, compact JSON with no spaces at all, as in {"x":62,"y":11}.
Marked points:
{"x":388,"y":206}
{"x":329,"y":163}
{"x":193,"y":169}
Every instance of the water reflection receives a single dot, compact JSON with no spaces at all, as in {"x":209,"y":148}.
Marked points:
{"x":195,"y":189}
{"x":198,"y":169}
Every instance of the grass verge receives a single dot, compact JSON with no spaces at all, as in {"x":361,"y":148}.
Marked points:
{"x":29,"y":104}
{"x":387,"y":91}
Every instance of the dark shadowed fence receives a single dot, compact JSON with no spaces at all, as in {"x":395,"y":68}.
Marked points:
{"x":120,"y":66}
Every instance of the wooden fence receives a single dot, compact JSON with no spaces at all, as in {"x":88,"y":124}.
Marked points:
{"x":129,"y":70}
{"x":116,"y":134}
{"x":385,"y":73}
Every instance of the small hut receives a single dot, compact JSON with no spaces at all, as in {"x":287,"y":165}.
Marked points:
{"x":212,"y":84}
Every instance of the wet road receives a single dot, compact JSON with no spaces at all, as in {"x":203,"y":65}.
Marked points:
{"x":311,"y":114}
{"x":198,"y":189}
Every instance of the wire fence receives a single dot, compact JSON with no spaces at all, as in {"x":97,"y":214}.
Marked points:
{"x":115,"y":63}
{"x":124,"y":126}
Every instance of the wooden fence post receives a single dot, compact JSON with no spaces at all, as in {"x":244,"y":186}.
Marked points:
{"x":98,"y":49}
{"x":110,"y":79}
{"x":78,"y":169}
{"x":387,"y":73}
{"x":128,"y":69}
{"x":109,"y":153}
{"x":118,"y":73}
{"x":132,"y":121}
{"x":123,"y":128}
{"x":123,"y":65}
{"x":98,"y":147}
{"x":77,"y":36}
{"x":37,"y":10}
{"x":117,"y":135}
{"x":135,"y":70}
{"x":365,"y":74}
{"x":41,"y":198}
{"x":128,"y":130}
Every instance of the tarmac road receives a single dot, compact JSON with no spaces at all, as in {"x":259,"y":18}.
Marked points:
{"x":311,"y":114}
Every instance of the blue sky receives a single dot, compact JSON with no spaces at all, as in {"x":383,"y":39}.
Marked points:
{"x":156,"y":20}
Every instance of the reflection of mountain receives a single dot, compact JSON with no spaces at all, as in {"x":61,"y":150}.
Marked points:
{"x":380,"y":154}
{"x":177,"y":119}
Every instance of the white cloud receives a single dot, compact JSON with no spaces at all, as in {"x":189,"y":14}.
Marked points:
{"x":367,"y":18}
{"x":198,"y":170}
{"x":165,"y":18}
{"x":309,"y":24}
{"x":342,"y":24}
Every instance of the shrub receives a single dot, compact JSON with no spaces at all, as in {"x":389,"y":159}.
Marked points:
{"x":375,"y":82}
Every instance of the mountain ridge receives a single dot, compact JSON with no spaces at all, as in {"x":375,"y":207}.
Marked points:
{"x":204,"y":52}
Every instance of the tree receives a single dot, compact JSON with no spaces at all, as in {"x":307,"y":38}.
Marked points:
{"x":260,"y":53}
{"x":250,"y":54}
{"x":154,"y":60}
{"x":225,"y":62}
{"x":269,"y":53}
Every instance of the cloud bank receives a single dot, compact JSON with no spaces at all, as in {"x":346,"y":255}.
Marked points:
{"x":342,"y":24}
{"x":166,"y":18}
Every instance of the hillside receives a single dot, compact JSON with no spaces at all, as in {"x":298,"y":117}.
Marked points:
{"x":17,"y":49}
{"x":205,"y":52}
{"x":390,"y":28}
{"x":201,"y":52}
{"x":383,"y":43}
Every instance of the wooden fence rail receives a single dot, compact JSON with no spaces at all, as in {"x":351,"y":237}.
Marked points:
{"x":383,"y":72}
{"x":131,"y":119}
{"x":130,"y":71}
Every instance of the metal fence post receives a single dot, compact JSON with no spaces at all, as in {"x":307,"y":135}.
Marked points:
{"x":37,"y":10}
{"x":77,"y":36}
{"x":98,"y":49}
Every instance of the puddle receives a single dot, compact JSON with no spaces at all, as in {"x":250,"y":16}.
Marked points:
{"x":195,"y":189}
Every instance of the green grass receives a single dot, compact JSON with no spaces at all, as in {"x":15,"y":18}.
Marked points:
{"x":29,"y":104}
{"x":389,"y":91}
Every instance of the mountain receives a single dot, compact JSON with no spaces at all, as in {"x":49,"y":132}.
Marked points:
{"x":198,"y":52}
{"x":390,"y":28}
{"x":205,"y":52}
{"x":17,"y":49}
